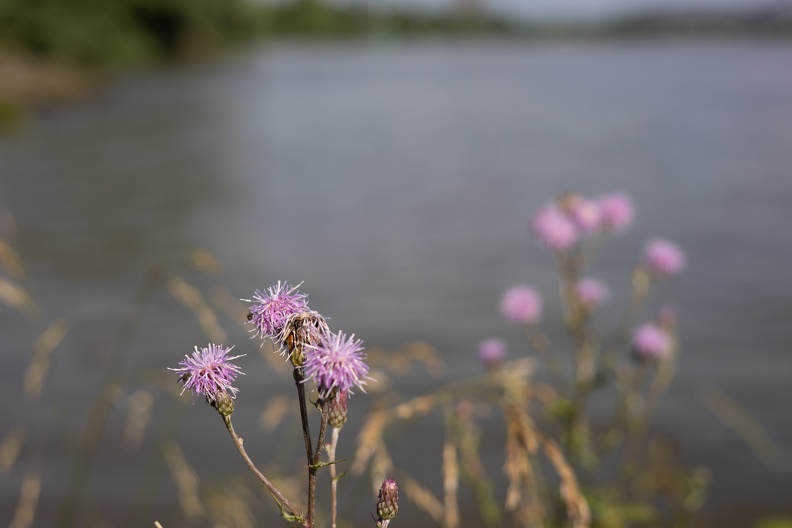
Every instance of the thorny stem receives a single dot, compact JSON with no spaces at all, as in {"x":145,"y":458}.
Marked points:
{"x":331,"y":454}
{"x":283,"y":503}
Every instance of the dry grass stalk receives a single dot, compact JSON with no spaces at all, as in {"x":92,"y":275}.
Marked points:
{"x":369,"y":439}
{"x":274,"y":412}
{"x":12,"y":444}
{"x":138,"y":415}
{"x":577,"y":507}
{"x":42,"y":350}
{"x":194,"y":300}
{"x":422,"y":497}
{"x":17,"y":298}
{"x":28,"y":499}
{"x":11,"y":261}
{"x":186,"y":482}
{"x":450,"y":485}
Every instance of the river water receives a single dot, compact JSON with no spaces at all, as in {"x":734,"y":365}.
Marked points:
{"x":397,"y":181}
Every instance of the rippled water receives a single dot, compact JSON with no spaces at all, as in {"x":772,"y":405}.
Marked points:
{"x":397,"y":182}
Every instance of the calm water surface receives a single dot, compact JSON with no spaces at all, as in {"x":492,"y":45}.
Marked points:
{"x":397,"y":181}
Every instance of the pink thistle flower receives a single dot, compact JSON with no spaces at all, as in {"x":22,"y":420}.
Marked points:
{"x":592,"y":292}
{"x":650,"y":341}
{"x":273,"y":309}
{"x":616,"y":211}
{"x":585,"y":214}
{"x":336,"y":363}
{"x":664,"y":258}
{"x":553,"y":229}
{"x":521,"y":304}
{"x":491,"y":352}
{"x":209,"y":372}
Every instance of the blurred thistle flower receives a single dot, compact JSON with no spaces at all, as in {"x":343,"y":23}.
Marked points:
{"x":338,"y":410}
{"x":336,"y":364}
{"x":664,"y":258}
{"x":592,"y":292}
{"x":521,"y":304}
{"x":616,"y":211}
{"x":491,"y":352}
{"x":273,"y":308}
{"x":554,"y":229}
{"x":387,"y":502}
{"x":650,"y":341}
{"x":209,"y":372}
{"x":584,"y":213}
{"x":302,"y":330}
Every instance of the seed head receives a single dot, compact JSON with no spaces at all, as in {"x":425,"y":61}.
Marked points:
{"x":303,"y":330}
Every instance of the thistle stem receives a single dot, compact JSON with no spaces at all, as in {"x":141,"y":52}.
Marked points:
{"x":299,"y":382}
{"x":284,"y":504}
{"x":331,"y":453}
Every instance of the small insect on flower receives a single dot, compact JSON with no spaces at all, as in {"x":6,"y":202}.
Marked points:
{"x":336,"y":364}
{"x":273,"y":308}
{"x":209,"y":372}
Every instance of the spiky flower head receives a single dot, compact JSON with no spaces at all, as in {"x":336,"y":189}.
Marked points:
{"x":553,"y":229}
{"x":388,"y":500}
{"x":273,"y":308}
{"x":491,"y":352}
{"x":584,"y":213}
{"x":651,"y":342}
{"x":592,"y":292}
{"x":616,"y":211}
{"x":303,"y":330}
{"x":521,"y":304}
{"x":664,"y":258}
{"x":209,"y":372}
{"x":338,"y":410}
{"x":336,"y":364}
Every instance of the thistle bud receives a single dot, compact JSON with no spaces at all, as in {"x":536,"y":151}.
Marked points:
{"x":337,"y":410}
{"x":387,"y":502}
{"x":224,"y":404}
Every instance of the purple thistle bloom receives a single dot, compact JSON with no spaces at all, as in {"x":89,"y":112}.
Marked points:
{"x":521,"y":304}
{"x":650,"y":341}
{"x":273,"y":309}
{"x":616,"y":211}
{"x":491,"y":352}
{"x":592,"y":292}
{"x":585,"y":214}
{"x":554,"y":229}
{"x":336,"y":363}
{"x":209,"y":372}
{"x":664,"y":258}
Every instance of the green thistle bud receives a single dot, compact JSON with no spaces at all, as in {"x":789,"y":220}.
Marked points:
{"x":224,"y":404}
{"x":388,"y":501}
{"x":337,"y":410}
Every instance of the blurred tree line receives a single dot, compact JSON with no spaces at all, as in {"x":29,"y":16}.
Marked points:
{"x":118,"y":32}
{"x":109,"y":32}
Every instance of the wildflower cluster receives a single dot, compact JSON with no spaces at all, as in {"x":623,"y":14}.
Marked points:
{"x":335,"y":362}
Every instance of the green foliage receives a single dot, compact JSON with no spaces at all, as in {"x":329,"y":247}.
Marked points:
{"x":101,"y":32}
